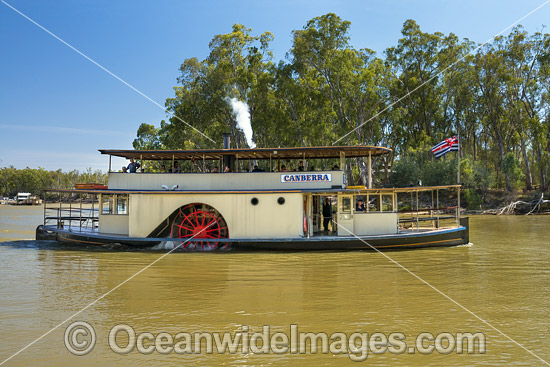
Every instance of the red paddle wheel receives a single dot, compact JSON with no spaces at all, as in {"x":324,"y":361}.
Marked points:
{"x":201,"y":226}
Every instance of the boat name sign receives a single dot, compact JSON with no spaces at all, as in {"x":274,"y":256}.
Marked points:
{"x":325,"y":177}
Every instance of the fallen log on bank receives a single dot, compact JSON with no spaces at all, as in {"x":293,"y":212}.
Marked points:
{"x":520,"y":207}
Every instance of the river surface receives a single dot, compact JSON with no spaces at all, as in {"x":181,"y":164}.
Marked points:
{"x":503,"y":278}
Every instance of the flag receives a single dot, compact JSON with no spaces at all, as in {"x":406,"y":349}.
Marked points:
{"x":445,"y":147}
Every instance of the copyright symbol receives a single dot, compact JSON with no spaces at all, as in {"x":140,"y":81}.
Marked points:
{"x":79,"y":338}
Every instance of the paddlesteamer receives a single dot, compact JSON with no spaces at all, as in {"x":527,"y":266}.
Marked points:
{"x":269,"y":209}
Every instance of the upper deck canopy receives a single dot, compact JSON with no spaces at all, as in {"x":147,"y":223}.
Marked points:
{"x":256,"y":153}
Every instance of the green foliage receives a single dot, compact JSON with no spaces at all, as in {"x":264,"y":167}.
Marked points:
{"x":510,"y":167}
{"x":418,"y":166}
{"x":33,"y":180}
{"x":473,"y":199}
{"x":439,"y":172}
{"x":148,"y":138}
{"x":475,"y":175}
{"x":467,"y":175}
{"x":405,"y":172}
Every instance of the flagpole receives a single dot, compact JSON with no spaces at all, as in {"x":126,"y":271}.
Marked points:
{"x":458,"y":157}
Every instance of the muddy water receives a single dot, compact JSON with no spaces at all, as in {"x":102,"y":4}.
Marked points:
{"x":503,"y":278}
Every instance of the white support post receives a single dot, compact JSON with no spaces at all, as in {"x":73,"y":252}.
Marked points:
{"x":343,"y":167}
{"x":458,"y":207}
{"x":437,"y":206}
{"x":369,"y":170}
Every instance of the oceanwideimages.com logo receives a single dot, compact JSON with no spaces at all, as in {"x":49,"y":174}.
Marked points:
{"x":80,"y":339}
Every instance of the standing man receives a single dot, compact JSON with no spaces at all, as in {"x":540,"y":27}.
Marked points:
{"x":133,"y":166}
{"x":327,"y":214}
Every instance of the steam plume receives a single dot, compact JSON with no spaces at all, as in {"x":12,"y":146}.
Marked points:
{"x":242,"y":114}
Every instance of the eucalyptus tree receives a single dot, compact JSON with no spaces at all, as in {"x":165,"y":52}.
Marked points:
{"x":521,"y":60}
{"x":541,"y":143}
{"x":235,"y":68}
{"x":416,"y":62}
{"x":318,"y":64}
{"x":528,"y":64}
{"x":344,"y":85}
{"x":492,"y":77}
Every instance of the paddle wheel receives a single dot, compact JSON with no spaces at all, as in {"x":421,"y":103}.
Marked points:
{"x":201,"y":227}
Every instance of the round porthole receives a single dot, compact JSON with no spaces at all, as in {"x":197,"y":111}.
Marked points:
{"x":281,"y":200}
{"x":254,"y":201}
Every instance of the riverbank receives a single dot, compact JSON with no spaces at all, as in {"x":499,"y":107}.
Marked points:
{"x":495,"y":202}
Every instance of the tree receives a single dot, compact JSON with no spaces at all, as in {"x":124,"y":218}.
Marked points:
{"x":236,"y":67}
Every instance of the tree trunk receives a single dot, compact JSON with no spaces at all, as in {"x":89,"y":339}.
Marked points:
{"x":349,"y":172}
{"x":542,"y":168}
{"x":362,"y":170}
{"x":528,"y":176}
{"x":506,"y":176}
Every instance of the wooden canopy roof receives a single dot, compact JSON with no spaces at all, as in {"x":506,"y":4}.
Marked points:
{"x":256,"y":153}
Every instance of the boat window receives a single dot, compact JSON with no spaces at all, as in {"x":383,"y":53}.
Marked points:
{"x":363,"y":199}
{"x":114,"y":204}
{"x":374,"y":203}
{"x":122,"y":204}
{"x":346,"y":204}
{"x":107,"y":204}
{"x":387,"y":203}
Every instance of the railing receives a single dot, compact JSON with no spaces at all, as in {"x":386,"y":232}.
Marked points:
{"x":430,"y":215}
{"x":430,"y":218}
{"x":76,"y":212}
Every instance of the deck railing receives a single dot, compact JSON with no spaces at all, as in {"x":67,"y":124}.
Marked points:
{"x":75,"y":211}
{"x":425,"y":209}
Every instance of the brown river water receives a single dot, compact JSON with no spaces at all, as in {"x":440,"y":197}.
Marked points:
{"x":503,"y":278}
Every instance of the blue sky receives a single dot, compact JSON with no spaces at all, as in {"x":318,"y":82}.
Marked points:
{"x":57,"y":108}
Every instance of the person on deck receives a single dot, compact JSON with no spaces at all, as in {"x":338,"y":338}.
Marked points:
{"x":133,"y":166}
{"x":301,"y":166}
{"x":327,"y":214}
{"x":176,"y":168}
{"x":283,"y":168}
{"x":360,"y":207}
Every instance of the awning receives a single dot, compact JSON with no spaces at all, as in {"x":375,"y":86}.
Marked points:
{"x":256,"y":153}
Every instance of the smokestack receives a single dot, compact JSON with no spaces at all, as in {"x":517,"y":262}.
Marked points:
{"x":228,"y":160}
{"x":226,"y":141}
